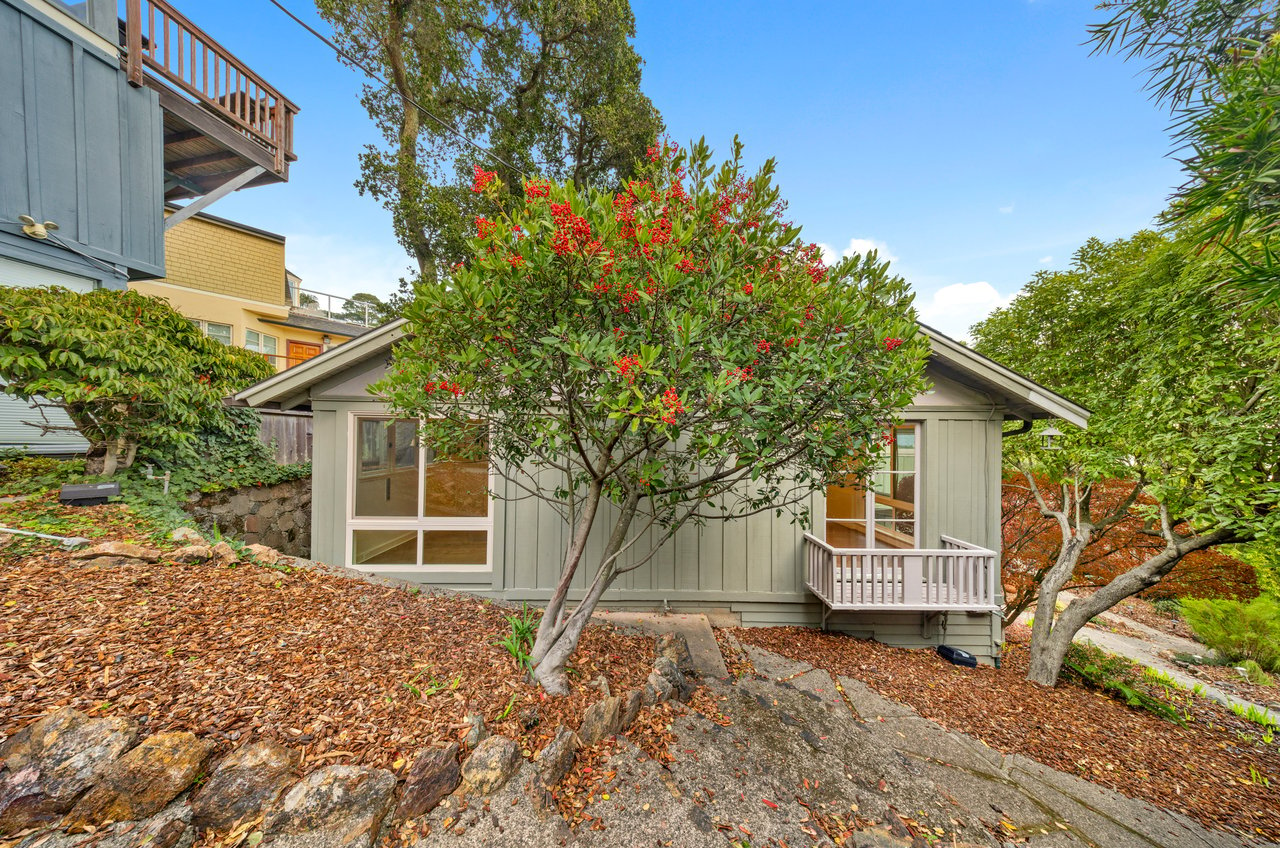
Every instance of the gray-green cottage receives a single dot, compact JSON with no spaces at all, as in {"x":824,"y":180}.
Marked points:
{"x":911,"y":560}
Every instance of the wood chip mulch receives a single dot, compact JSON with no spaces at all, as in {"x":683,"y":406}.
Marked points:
{"x":1217,"y":769}
{"x":1226,"y":677}
{"x":348,"y":671}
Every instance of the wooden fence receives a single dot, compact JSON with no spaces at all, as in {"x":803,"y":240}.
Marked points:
{"x":290,"y":432}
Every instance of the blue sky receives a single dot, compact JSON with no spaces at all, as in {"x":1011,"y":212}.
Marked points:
{"x":975,"y":143}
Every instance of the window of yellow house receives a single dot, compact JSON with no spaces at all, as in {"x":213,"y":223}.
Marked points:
{"x":214,"y":330}
{"x":260,"y":343}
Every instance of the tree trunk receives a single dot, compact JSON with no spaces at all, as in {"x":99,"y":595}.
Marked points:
{"x":557,"y":640}
{"x":1049,"y":645}
{"x":105,"y":458}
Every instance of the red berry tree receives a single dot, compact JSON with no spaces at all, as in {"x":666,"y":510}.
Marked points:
{"x":672,"y":349}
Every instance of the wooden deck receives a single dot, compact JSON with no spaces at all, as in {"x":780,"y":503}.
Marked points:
{"x":956,"y":576}
{"x":221,"y":118}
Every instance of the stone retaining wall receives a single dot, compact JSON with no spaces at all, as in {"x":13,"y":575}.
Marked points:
{"x":277,"y":516}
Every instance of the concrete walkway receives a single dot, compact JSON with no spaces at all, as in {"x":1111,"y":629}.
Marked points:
{"x":694,"y":627}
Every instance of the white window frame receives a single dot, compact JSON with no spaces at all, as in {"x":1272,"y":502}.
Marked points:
{"x":204,"y":328}
{"x":420,"y":524}
{"x":275,"y":342}
{"x":869,"y":506}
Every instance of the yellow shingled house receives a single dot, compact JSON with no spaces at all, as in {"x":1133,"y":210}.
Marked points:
{"x":231,"y":280}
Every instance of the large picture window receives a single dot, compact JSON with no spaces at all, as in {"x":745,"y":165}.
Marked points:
{"x":412,"y":507}
{"x":884,"y":512}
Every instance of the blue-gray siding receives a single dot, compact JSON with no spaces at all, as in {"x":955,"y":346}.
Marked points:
{"x":81,"y":147}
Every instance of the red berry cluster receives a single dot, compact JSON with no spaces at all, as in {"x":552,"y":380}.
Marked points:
{"x":482,"y":179}
{"x":517,"y":261}
{"x":572,"y":231}
{"x":748,"y":288}
{"x":892,"y":344}
{"x":740,"y":375}
{"x":484,"y":227}
{"x":811,"y":255}
{"x":763,"y":346}
{"x":628,"y":366}
{"x":536,"y":189}
{"x":443,"y":386}
{"x":671,"y":400}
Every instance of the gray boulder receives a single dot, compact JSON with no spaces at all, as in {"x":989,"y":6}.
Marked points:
{"x":50,"y":762}
{"x":602,"y":719}
{"x":681,"y":687}
{"x":245,"y":783}
{"x":189,"y":535}
{"x":631,"y":704}
{"x":490,"y":766}
{"x":333,"y":807}
{"x":555,"y":760}
{"x":476,"y":732}
{"x":143,"y":781}
{"x":674,"y":647}
{"x":434,"y":774}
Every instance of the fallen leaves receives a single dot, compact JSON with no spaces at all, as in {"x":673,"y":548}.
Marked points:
{"x":314,"y":660}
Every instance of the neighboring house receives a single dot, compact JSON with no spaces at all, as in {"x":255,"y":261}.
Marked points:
{"x":230,"y":279}
{"x":913,"y":562}
{"x":101,"y":122}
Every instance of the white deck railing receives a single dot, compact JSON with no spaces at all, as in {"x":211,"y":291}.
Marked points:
{"x":957,"y":576}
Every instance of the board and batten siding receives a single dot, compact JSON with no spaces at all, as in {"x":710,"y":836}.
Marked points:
{"x":81,"y":148}
{"x":752,"y":566}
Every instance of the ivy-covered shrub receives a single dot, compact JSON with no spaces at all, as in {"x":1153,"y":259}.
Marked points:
{"x":131,"y":372}
{"x":1237,"y":631}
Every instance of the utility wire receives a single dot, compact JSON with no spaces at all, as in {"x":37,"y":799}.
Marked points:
{"x":356,"y":63}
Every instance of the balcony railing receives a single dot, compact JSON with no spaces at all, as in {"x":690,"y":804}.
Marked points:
{"x":161,"y":41}
{"x":957,"y":576}
{"x":333,"y":306}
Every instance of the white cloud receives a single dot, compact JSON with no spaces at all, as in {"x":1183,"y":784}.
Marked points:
{"x":860,"y":246}
{"x":341,"y":264}
{"x":955,"y":308}
{"x":1005,"y":210}
{"x":1045,"y":260}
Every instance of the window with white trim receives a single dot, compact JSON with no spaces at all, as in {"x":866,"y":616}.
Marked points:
{"x":409,"y":506}
{"x":885,"y":513}
{"x":214,"y":330}
{"x":260,"y":342}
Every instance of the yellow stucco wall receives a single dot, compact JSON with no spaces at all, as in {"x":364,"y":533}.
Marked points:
{"x":226,"y":275}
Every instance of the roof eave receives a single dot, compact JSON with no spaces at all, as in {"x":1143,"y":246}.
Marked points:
{"x":1010,"y":382}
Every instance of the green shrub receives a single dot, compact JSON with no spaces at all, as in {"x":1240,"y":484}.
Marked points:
{"x":1115,"y":675}
{"x":1167,"y":606}
{"x":1237,"y":631}
{"x":1255,"y":674}
{"x":33,"y":475}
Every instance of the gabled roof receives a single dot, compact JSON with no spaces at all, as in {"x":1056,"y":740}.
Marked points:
{"x":1024,"y":398}
{"x":288,"y":388}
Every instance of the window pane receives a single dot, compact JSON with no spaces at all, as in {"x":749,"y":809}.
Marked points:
{"x":218,"y":332}
{"x":386,"y":468}
{"x":251,"y":340}
{"x":456,"y":489}
{"x":269,"y":344}
{"x":384,"y":547}
{"x":847,"y":515}
{"x":455,"y":547}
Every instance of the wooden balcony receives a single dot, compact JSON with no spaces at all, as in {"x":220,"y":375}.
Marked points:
{"x":222,"y":122}
{"x":956,"y":576}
